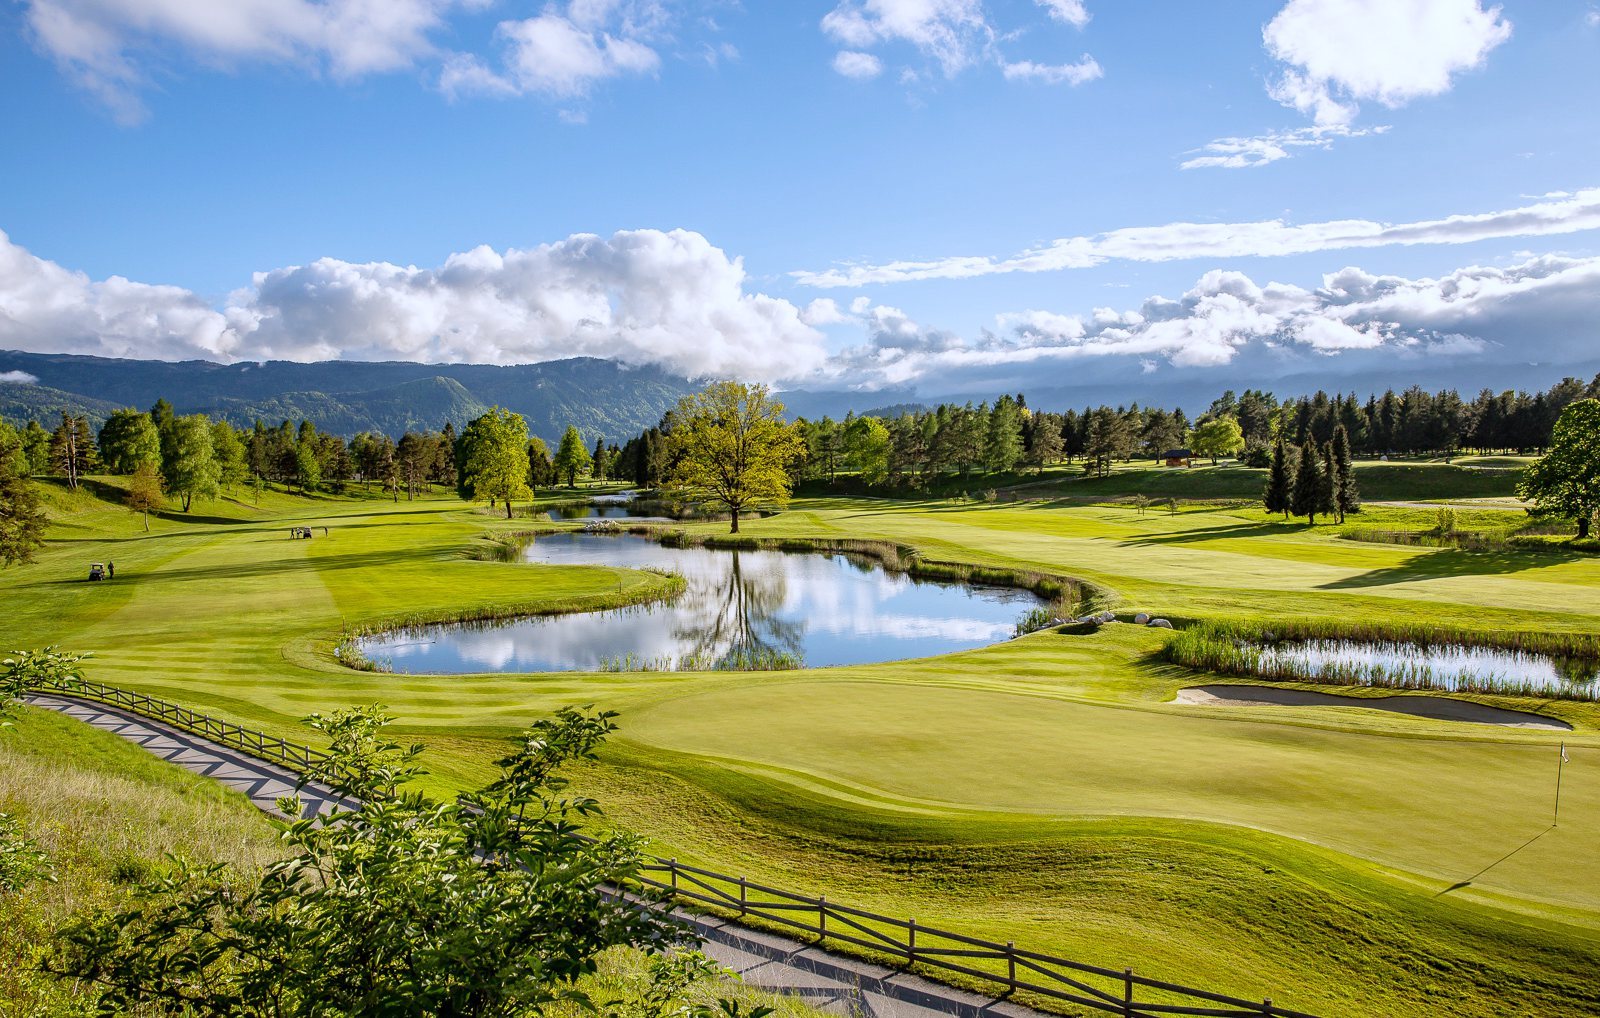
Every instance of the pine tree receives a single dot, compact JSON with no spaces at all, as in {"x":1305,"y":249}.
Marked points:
{"x":1346,"y":496}
{"x":1327,"y":496}
{"x":1304,"y":498}
{"x":72,"y":449}
{"x":1280,"y":481}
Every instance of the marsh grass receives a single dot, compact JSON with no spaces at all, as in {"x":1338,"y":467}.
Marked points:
{"x":742,"y":659}
{"x":1257,"y":652}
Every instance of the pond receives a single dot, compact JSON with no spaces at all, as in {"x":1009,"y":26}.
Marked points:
{"x":1443,"y":667}
{"x":740,"y":609}
{"x":616,"y":506}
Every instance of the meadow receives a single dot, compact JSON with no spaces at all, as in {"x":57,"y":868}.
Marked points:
{"x":1046,"y":790}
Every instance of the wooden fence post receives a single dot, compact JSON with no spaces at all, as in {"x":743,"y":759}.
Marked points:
{"x":911,"y":940}
{"x":1266,"y":1007}
{"x":1011,"y":963}
{"x":822,"y":915}
{"x":672,"y":868}
{"x":743,"y":904}
{"x":1127,"y":993}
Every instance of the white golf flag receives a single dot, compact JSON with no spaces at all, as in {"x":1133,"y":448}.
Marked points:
{"x":1564,"y":753}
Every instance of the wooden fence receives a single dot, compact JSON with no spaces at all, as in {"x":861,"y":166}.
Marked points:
{"x":904,"y":941}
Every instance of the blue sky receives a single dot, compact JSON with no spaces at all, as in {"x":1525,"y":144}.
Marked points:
{"x":946,"y":194}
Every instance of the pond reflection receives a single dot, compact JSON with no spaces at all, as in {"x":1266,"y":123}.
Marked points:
{"x":739,"y":609}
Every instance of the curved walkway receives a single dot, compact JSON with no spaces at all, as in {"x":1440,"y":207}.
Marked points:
{"x":830,"y":982}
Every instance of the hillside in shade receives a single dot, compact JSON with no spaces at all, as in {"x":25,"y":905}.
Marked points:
{"x":603,"y":398}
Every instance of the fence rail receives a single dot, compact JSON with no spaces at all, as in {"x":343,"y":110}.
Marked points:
{"x":1108,"y":991}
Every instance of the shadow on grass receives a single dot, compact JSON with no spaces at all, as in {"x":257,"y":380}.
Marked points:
{"x":1462,"y":884}
{"x":1442,"y":564}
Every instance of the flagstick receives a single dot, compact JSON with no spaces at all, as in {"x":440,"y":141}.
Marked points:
{"x":1560,"y":762}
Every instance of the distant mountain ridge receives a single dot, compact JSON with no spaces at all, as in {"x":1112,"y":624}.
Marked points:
{"x":603,"y":398}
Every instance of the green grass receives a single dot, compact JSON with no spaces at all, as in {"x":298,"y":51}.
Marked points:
{"x":1046,"y":790}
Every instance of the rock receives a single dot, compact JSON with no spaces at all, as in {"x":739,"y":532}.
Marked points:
{"x":1160,"y":624}
{"x":1107,"y":617}
{"x":1142,"y":619}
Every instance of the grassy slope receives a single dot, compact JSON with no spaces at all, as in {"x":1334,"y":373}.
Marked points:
{"x":106,"y":812}
{"x":1042,"y":789}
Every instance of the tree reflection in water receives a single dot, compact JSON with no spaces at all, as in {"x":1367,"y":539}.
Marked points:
{"x":736,"y":617}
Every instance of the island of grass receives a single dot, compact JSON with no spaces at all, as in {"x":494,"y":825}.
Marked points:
{"x":1046,"y":790}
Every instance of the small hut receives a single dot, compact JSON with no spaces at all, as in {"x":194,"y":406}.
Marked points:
{"x":1178,"y":457}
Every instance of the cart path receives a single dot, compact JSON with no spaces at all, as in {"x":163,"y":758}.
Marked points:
{"x":830,"y":982}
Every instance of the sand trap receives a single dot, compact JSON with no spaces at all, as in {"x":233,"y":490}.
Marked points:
{"x":1440,"y":708}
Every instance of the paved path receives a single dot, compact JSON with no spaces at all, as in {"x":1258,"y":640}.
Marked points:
{"x":830,"y":982}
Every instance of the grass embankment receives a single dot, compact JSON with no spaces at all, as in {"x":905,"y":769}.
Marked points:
{"x":108,"y":814}
{"x":1044,"y":790}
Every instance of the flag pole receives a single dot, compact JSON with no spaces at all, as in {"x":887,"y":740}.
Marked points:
{"x":1560,"y":763}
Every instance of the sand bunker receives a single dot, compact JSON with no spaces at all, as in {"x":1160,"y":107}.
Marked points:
{"x":1440,"y":708}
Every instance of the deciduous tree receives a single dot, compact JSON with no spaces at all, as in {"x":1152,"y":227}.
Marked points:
{"x":145,"y":491}
{"x":734,"y":449}
{"x":128,"y":439}
{"x":193,"y":468}
{"x":22,"y":521}
{"x":1220,"y":436}
{"x":1566,"y":480}
{"x":497,"y":458}
{"x":572,"y":459}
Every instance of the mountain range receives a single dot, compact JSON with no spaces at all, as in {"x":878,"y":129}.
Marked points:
{"x":603,"y":398}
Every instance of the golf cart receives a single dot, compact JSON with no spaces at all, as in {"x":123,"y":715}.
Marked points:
{"x":97,"y":571}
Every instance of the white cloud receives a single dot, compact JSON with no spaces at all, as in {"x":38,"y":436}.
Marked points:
{"x":1269,"y":238}
{"x":18,"y":377}
{"x":949,"y":31}
{"x":1243,"y":153}
{"x":1548,"y":304}
{"x":640,"y":296}
{"x":103,"y":44}
{"x":1071,"y":12}
{"x":562,"y":54}
{"x":1339,"y":53}
{"x":858,"y":65}
{"x":955,"y":34}
{"x":1086,"y":69}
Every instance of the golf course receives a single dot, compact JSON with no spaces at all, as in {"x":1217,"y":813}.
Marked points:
{"x":1054,"y":789}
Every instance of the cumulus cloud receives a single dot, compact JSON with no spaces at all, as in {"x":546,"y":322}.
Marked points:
{"x":1086,"y":69}
{"x":561,"y":53}
{"x":1226,"y":316}
{"x":1339,"y":53}
{"x":855,"y":64}
{"x":104,"y":44}
{"x":954,"y":34}
{"x":18,"y":377}
{"x":1268,"y":238}
{"x":1244,"y":153}
{"x":639,"y":296}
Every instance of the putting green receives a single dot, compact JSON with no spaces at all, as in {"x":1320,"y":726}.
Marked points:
{"x":1441,"y":808}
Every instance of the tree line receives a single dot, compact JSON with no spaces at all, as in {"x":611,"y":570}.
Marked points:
{"x":915,"y":448}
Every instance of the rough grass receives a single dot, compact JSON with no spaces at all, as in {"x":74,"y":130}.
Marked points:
{"x":1007,"y":779}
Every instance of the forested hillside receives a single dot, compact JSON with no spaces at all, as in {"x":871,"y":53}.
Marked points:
{"x":603,"y":398}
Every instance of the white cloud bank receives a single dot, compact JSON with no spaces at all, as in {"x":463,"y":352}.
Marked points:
{"x":562,"y":52}
{"x":1268,"y":238}
{"x":1546,"y":308}
{"x":1340,"y":53}
{"x":639,"y":296}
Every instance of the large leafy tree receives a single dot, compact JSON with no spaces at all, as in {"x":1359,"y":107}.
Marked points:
{"x":193,"y":469}
{"x":232,"y":463}
{"x":127,"y":439}
{"x":22,"y":521}
{"x":1566,"y":480}
{"x":866,"y":445}
{"x":493,"y":904}
{"x":572,"y":459}
{"x":1220,"y":436}
{"x":497,"y":457}
{"x":734,"y":449}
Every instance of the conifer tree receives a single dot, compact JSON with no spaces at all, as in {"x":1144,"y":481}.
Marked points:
{"x":1305,"y":497}
{"x":72,"y":449}
{"x":1327,"y":495}
{"x":1280,"y":480}
{"x":1346,"y":496}
{"x":572,"y":459}
{"x":22,"y":522}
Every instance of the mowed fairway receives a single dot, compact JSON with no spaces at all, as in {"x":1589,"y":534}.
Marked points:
{"x":1339,"y":859}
